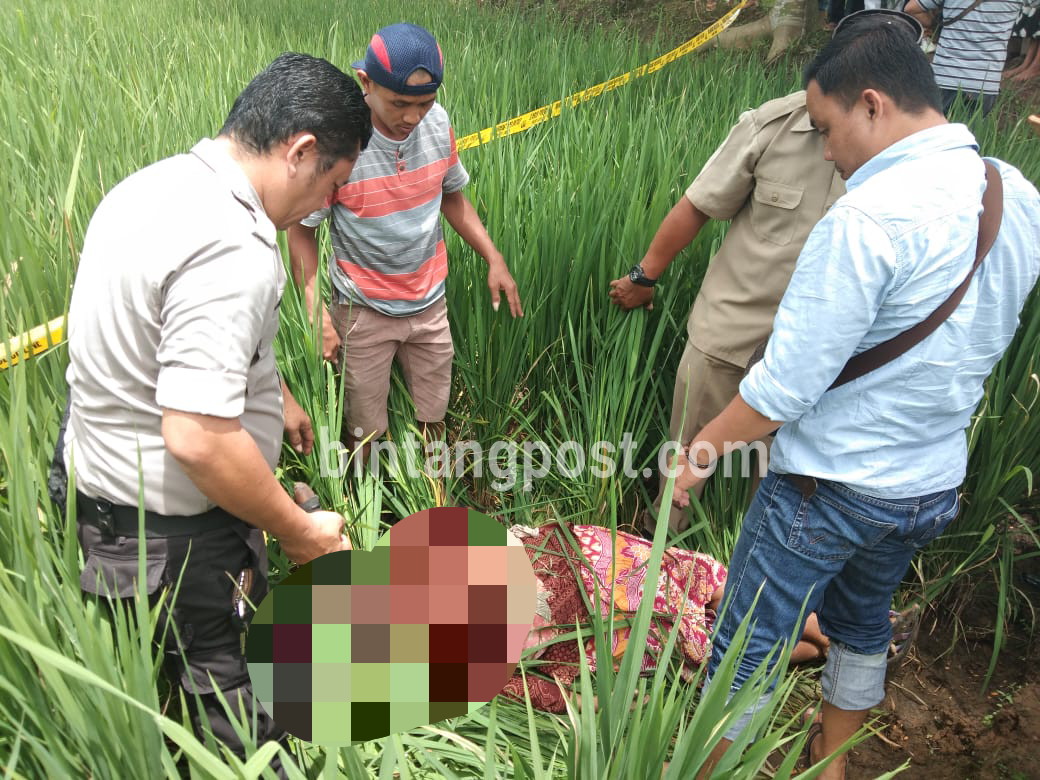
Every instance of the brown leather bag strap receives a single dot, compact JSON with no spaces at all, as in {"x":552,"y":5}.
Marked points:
{"x":879,"y":354}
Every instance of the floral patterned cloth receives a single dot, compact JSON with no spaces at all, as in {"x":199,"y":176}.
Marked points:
{"x":566,"y":558}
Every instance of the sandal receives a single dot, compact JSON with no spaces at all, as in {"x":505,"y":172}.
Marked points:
{"x":805,"y":761}
{"x":905,"y":626}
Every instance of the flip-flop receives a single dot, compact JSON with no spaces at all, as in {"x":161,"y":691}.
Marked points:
{"x":905,"y":626}
{"x":805,"y":760}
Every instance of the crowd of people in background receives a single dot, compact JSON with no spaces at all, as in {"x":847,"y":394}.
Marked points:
{"x":975,"y":47}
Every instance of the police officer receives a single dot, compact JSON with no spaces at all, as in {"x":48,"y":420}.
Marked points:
{"x":175,"y":402}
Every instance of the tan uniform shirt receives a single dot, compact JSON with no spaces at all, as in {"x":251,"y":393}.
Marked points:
{"x":175,"y":305}
{"x":769,"y":177}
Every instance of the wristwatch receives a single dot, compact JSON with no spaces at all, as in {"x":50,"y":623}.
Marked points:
{"x":636,"y":276}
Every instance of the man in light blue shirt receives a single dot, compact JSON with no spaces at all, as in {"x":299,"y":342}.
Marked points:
{"x":863,"y":476}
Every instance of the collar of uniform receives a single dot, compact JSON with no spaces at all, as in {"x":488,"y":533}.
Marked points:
{"x":802,"y":123}
{"x":216,"y":158}
{"x":941,"y":138}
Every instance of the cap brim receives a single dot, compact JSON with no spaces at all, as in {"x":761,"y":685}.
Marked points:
{"x":359,"y":65}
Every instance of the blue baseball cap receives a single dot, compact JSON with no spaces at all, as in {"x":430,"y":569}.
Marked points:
{"x":396,"y":52}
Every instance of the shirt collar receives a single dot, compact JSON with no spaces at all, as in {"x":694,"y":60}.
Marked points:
{"x":941,"y":138}
{"x":803,"y":123}
{"x":231,"y":175}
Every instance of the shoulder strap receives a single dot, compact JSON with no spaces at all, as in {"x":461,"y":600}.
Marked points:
{"x":989,"y":225}
{"x":963,"y":13}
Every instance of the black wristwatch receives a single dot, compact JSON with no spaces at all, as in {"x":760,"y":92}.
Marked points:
{"x":637,"y":276}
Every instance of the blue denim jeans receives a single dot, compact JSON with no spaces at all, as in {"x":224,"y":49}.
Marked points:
{"x":843,"y":554}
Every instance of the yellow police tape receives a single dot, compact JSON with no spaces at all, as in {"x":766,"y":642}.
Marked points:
{"x":526,"y":121}
{"x":43,"y":337}
{"x":39,"y":339}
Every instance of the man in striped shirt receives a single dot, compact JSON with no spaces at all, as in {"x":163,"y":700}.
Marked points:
{"x":972,"y":48}
{"x":389,"y":262}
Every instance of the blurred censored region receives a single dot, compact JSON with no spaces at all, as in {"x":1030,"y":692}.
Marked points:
{"x":427,"y":625}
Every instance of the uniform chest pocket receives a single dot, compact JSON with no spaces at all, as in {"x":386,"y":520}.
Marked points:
{"x":773,"y":214}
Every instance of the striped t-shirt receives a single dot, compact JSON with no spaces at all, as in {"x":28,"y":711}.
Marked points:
{"x":972,"y":51}
{"x":387,"y":244}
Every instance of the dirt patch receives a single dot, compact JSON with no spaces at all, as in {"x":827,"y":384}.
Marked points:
{"x":938,"y":718}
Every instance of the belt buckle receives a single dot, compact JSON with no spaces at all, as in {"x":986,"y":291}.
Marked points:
{"x":106,"y":520}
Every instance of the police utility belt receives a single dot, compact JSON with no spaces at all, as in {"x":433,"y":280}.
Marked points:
{"x":119,"y":520}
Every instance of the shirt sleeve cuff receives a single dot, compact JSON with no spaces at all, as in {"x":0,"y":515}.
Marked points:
{"x":197,"y":391}
{"x":316,"y":218}
{"x":763,"y":393}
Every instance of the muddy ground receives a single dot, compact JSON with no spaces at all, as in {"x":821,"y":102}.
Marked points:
{"x":938,"y":717}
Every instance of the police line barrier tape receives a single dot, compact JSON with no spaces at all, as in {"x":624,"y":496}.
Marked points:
{"x":39,"y":339}
{"x":524,"y":122}
{"x":43,"y":337}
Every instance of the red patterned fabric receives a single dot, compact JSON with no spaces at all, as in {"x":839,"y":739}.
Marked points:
{"x":571,"y":564}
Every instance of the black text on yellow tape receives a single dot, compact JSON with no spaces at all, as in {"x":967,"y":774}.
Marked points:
{"x":39,"y":339}
{"x":43,"y":337}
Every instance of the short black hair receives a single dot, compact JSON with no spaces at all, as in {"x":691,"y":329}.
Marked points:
{"x":300,"y":93}
{"x":873,"y":53}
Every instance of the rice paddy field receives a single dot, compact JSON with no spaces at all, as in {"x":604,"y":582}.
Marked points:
{"x":90,"y":92}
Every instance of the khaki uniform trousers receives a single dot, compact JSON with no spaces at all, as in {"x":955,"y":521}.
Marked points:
{"x":704,"y":386}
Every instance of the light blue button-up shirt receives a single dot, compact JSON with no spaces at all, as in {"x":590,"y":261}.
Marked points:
{"x":884,"y":257}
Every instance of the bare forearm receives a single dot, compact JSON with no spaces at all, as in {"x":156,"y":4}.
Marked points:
{"x":223,"y":461}
{"x":735,"y":425}
{"x":677,"y":231}
{"x":915,"y":10}
{"x":465,"y":221}
{"x":303,"y":254}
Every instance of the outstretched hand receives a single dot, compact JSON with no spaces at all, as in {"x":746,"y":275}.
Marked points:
{"x":298,"y":428}
{"x":499,"y":280}
{"x":689,"y":476}
{"x":630,"y":296}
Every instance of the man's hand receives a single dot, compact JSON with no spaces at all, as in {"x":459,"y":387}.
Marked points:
{"x":500,"y":280}
{"x":330,"y":340}
{"x":324,"y":534}
{"x":688,"y":477}
{"x":297,"y":425}
{"x":630,"y":296}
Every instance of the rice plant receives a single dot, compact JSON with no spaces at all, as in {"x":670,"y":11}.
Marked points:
{"x":92,"y":92}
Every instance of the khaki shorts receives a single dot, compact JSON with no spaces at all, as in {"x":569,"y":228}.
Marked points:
{"x":371,"y":340}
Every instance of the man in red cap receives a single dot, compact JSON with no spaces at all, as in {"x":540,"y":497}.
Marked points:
{"x":389,"y":261}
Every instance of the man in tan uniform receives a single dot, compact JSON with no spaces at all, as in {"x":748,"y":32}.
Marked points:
{"x":176,"y":408}
{"x":770,"y":179}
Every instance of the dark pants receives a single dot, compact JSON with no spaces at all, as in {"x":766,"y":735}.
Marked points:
{"x":970,"y":102}
{"x":200,"y":640}
{"x":838,"y":9}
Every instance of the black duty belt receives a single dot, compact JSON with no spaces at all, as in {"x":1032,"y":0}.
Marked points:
{"x":120,"y":520}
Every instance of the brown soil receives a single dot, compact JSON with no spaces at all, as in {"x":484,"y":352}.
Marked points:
{"x":937,"y":717}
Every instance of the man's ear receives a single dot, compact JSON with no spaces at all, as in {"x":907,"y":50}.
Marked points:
{"x":366,"y":82}
{"x":874,"y":103}
{"x":300,"y":146}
